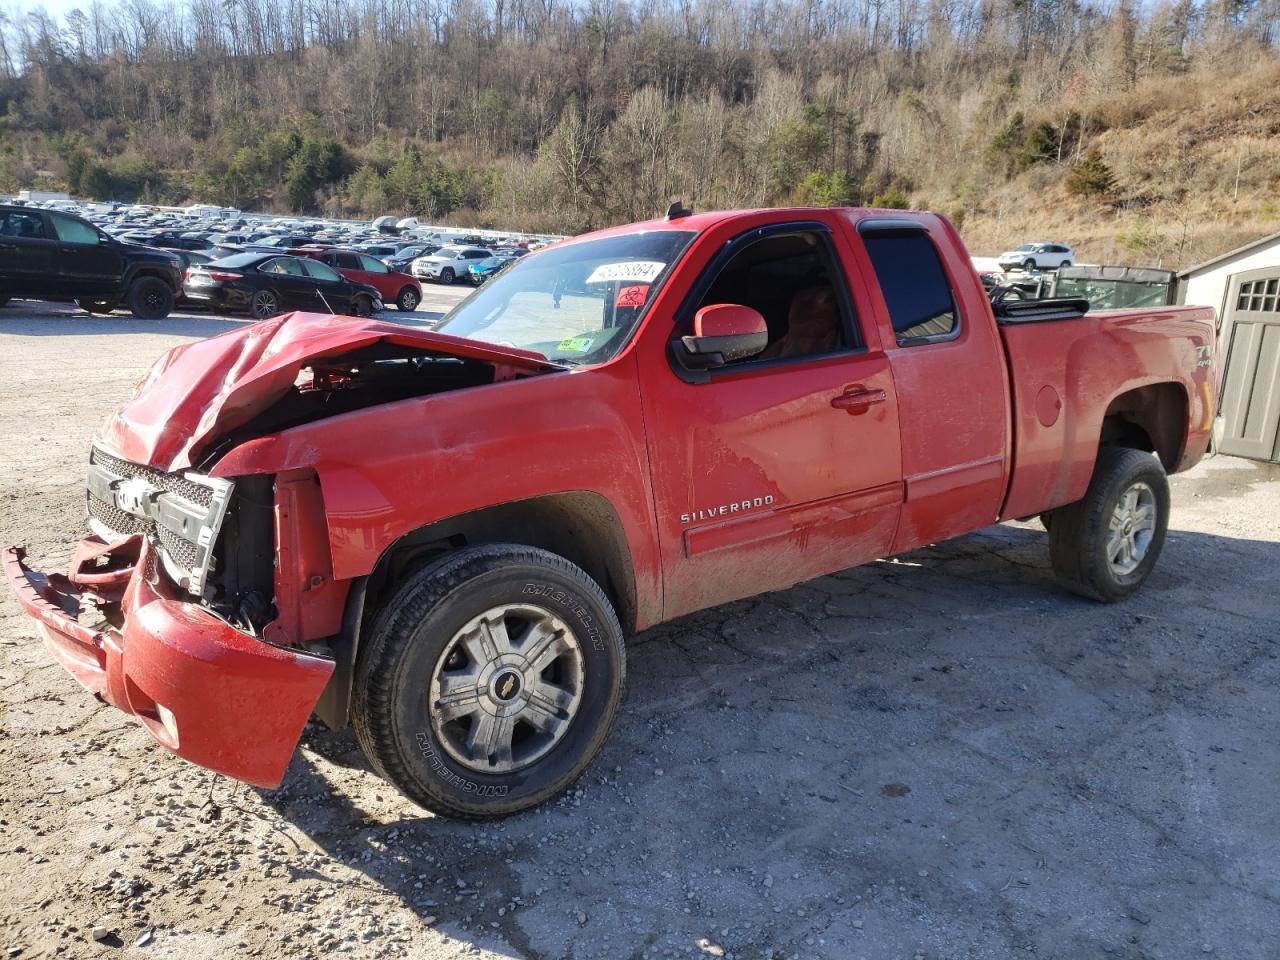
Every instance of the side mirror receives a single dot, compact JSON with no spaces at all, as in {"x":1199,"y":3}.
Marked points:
{"x":726,"y":332}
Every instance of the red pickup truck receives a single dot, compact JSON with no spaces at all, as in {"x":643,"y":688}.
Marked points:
{"x":443,"y":537}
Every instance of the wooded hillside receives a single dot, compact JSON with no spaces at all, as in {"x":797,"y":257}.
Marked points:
{"x":1137,"y":133}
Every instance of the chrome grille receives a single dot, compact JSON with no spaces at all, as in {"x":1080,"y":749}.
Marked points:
{"x":115,"y":519}
{"x":180,"y":513}
{"x":182,"y":552}
{"x":173,"y":482}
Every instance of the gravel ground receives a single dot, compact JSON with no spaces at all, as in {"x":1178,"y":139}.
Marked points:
{"x":941,"y":755}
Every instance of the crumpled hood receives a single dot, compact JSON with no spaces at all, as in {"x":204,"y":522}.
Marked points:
{"x":198,"y":392}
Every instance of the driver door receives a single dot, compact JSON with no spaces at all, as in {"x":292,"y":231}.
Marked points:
{"x":780,"y":468}
{"x":328,"y":289}
{"x":88,"y":262}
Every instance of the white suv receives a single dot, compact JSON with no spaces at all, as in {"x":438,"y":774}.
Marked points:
{"x":1037,"y":256}
{"x":448,"y":263}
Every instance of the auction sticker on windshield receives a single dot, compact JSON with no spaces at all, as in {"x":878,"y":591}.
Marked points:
{"x":633,"y":271}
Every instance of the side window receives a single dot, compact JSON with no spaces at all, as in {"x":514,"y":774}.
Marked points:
{"x":792,"y":280}
{"x":319,"y":271}
{"x":915,"y":287}
{"x":370,"y":265}
{"x":477,"y":255}
{"x":28,"y":225}
{"x":286,"y":265}
{"x":73,"y":231}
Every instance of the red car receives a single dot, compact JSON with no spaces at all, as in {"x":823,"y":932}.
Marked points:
{"x":444,"y":537}
{"x":398,"y":288}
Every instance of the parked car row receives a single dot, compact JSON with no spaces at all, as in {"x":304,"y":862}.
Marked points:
{"x":105,"y":255}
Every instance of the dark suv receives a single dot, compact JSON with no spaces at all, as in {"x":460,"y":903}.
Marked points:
{"x":50,"y":255}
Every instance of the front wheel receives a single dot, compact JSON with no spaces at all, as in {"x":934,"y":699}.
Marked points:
{"x":446,"y":276}
{"x":1105,"y":545}
{"x":362,"y":306}
{"x":1028,"y":264}
{"x":407,"y":300}
{"x":150,"y":298}
{"x":490,"y":681}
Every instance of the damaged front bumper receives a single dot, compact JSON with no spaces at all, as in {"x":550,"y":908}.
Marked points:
{"x":210,"y":693}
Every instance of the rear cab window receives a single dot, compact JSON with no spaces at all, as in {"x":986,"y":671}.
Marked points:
{"x":917,"y":293}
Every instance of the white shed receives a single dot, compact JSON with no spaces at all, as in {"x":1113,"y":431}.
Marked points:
{"x":1244,"y":287}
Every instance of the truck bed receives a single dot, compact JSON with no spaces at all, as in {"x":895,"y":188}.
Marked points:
{"x":1067,"y":375}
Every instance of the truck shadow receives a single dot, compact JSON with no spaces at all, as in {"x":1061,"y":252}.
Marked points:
{"x":945,"y":735}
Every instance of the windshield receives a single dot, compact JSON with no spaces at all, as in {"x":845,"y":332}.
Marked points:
{"x":574,"y":304}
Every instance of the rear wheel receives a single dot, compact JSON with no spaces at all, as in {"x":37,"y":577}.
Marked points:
{"x":407,"y":300}
{"x":1105,"y":545}
{"x":97,"y":306}
{"x":264,"y":304}
{"x":1065,"y":263}
{"x":446,"y":276}
{"x":150,"y":298}
{"x":490,"y":681}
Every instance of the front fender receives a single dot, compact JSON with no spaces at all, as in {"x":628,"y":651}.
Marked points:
{"x":389,"y":470}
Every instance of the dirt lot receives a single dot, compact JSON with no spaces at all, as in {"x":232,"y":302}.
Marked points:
{"x":938,"y":756}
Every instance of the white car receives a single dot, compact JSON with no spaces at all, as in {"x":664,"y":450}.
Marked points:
{"x":1037,"y":256}
{"x":448,"y":263}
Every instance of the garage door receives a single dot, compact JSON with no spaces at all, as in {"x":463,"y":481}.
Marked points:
{"x":1251,"y":384}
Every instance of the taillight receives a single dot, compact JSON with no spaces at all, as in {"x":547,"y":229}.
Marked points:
{"x":222,"y":275}
{"x":186,"y":275}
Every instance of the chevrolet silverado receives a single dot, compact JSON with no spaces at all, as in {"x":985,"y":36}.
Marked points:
{"x":443,"y":537}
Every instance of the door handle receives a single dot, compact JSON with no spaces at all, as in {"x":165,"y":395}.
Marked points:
{"x":857,"y":400}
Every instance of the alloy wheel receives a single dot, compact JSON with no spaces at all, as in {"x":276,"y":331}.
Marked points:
{"x":265,"y":304}
{"x":506,"y":688}
{"x":1132,"y":525}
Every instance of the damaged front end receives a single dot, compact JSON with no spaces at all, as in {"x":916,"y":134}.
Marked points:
{"x":202,"y":604}
{"x":210,"y":693}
